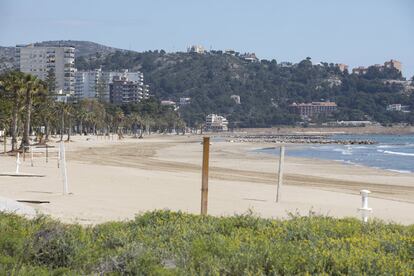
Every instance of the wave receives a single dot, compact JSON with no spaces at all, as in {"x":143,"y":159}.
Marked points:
{"x":385,"y":146}
{"x":398,"y":153}
{"x":400,"y":171}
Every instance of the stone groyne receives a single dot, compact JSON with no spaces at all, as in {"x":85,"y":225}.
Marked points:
{"x":295,"y":139}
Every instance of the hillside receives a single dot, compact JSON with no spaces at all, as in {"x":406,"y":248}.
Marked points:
{"x":266,"y":88}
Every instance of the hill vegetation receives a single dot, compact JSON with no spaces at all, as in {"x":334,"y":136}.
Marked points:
{"x":167,"y":243}
{"x":266,"y":88}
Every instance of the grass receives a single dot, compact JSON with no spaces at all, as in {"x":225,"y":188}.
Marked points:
{"x":170,"y":243}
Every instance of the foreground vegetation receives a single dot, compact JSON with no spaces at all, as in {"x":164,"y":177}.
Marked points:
{"x":169,"y":243}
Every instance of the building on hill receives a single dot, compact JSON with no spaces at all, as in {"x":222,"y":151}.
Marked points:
{"x":342,"y":67}
{"x":236,"y":99}
{"x":360,"y":70}
{"x":123,"y":90}
{"x":196,"y":49}
{"x":216,"y":123}
{"x":249,"y":57}
{"x":95,"y":83}
{"x":314,"y":108}
{"x":184,"y":101}
{"x":393,"y":64}
{"x":398,"y":107}
{"x":40,"y":61}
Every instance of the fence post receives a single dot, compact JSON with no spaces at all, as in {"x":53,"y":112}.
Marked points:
{"x":280,"y":173}
{"x":18,"y":163}
{"x":204,"y":177}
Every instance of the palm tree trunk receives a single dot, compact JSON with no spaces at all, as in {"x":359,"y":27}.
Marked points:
{"x":69,"y":130}
{"x":14,"y":123}
{"x":26,"y":129}
{"x":62,"y":126}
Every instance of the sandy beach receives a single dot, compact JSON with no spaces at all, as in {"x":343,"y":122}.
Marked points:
{"x":114,"y":180}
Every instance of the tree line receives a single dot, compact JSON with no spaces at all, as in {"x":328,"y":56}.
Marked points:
{"x":28,"y":105}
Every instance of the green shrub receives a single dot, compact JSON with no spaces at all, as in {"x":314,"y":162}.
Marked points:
{"x":175,"y":243}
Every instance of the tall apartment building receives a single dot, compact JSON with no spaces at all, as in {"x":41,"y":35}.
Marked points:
{"x":123,"y":90}
{"x":96,"y":83}
{"x":38,"y":61}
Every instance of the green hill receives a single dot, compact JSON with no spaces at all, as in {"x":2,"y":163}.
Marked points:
{"x":266,"y":88}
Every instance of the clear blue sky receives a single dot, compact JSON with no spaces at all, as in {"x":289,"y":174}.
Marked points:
{"x":355,"y":32}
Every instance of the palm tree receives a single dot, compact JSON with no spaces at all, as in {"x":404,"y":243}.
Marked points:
{"x":13,"y":83}
{"x":32,"y":86}
{"x":135,"y":120}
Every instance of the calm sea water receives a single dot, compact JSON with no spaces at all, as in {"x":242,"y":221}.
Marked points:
{"x":392,"y":152}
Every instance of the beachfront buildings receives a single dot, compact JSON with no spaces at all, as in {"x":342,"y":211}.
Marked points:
{"x":216,"y":123}
{"x":313,"y":108}
{"x":123,"y":90}
{"x":96,"y":83}
{"x":43,"y":61}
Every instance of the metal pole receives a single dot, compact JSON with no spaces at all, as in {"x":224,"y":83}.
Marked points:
{"x":18,"y":163}
{"x":280,"y":173}
{"x":204,"y":178}
{"x":64,"y":171}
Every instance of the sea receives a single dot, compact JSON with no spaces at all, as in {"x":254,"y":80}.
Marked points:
{"x":390,"y":152}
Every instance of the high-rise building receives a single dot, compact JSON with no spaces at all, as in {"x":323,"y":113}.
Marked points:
{"x":40,"y":61}
{"x":123,"y":90}
{"x":96,"y":83}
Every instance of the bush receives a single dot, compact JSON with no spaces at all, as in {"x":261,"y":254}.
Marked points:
{"x":170,"y":243}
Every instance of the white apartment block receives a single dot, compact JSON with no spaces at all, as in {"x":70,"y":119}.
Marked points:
{"x":95,"y":83}
{"x":37,"y":61}
{"x":216,"y":123}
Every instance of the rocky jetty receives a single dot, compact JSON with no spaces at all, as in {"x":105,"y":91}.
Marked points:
{"x":295,"y":139}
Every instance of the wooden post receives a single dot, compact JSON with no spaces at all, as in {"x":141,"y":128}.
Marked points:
{"x":280,"y":173}
{"x":24,"y":153}
{"x":204,"y":177}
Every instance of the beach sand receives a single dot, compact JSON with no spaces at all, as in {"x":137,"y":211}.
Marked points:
{"x":114,"y":180}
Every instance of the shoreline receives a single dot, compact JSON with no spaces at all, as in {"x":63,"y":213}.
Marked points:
{"x":114,"y":180}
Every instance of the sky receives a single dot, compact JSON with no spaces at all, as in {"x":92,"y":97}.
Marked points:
{"x":354,"y":32}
